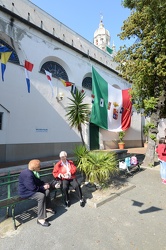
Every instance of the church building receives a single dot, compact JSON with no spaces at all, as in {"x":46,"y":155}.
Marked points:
{"x":36,"y":52}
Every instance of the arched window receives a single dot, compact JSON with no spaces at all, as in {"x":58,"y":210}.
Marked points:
{"x":87,"y":83}
{"x":56,"y":69}
{"x":13,"y":58}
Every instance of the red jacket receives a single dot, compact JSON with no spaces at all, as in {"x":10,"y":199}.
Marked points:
{"x":60,"y":169}
{"x":161,"y":151}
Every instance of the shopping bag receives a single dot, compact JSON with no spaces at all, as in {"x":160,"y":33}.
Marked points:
{"x":127,"y":161}
{"x":122,"y":165}
{"x":133,"y":160}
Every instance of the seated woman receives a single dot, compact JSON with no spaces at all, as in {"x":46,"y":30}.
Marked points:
{"x":32,"y":187}
{"x":65,"y":170}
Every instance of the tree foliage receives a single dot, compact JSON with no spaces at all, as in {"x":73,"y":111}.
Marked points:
{"x":78,"y":112}
{"x":144,"y":63}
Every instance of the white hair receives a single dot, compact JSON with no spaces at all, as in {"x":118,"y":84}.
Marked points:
{"x":62,"y":153}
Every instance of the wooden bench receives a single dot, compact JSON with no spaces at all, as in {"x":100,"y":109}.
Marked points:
{"x":10,"y":201}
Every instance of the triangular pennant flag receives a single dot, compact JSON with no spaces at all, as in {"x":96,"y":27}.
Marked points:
{"x":4,"y":49}
{"x":28,"y":68}
{"x":66,"y":83}
{"x":93,"y":97}
{"x":74,"y":89}
{"x":49,"y":77}
{"x":4,"y":59}
{"x":112,"y":107}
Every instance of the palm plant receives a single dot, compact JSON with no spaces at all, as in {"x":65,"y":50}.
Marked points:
{"x":79,"y":152}
{"x":98,"y":167}
{"x":78,"y":112}
{"x":121,"y":136}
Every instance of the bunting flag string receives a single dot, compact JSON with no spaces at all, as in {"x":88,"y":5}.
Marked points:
{"x":4,"y":59}
{"x":66,"y":83}
{"x":28,"y":68}
{"x":49,"y":77}
{"x":73,"y":89}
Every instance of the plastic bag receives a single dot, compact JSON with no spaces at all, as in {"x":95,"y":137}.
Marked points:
{"x":127,"y":160}
{"x":133,"y":160}
{"x":122,"y":165}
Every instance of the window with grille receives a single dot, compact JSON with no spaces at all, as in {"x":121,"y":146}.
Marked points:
{"x":56,"y":69}
{"x":87,"y":83}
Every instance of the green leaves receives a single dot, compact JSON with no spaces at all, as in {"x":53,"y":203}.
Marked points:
{"x":144,"y":63}
{"x":78,"y":112}
{"x":98,"y":166}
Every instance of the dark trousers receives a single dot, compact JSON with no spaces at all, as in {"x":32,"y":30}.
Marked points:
{"x":44,"y":202}
{"x":74,"y":184}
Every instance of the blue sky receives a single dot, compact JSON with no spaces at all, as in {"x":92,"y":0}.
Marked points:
{"x":83,"y":17}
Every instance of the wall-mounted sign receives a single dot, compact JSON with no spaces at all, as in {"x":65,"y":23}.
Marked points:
{"x":42,"y":130}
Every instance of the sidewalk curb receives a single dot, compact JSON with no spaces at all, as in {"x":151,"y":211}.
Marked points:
{"x":156,"y":168}
{"x":112,"y":196}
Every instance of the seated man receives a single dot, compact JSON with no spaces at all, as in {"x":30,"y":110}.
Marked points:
{"x":66,"y":170}
{"x":32,"y":187}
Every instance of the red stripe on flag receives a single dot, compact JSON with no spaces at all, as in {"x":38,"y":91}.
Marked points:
{"x":28,"y":65}
{"x":127,"y":107}
{"x":68,"y":84}
{"x":48,"y":77}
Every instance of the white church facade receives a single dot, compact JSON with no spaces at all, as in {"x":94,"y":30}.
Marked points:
{"x":35,"y":124}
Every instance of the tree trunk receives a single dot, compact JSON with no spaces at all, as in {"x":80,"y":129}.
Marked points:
{"x":82,"y":138}
{"x":150,"y":154}
{"x":155,"y":118}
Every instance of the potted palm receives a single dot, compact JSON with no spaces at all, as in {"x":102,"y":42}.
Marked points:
{"x":121,"y":143}
{"x":97,"y":167}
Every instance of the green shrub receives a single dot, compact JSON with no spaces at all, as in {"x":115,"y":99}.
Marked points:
{"x":98,"y":167}
{"x":79,"y":152}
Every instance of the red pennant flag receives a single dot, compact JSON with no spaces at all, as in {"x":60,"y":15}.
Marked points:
{"x":49,"y":77}
{"x":28,"y":68}
{"x":66,"y":83}
{"x":28,"y":65}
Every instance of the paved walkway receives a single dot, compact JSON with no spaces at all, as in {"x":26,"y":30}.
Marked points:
{"x":134,"y":220}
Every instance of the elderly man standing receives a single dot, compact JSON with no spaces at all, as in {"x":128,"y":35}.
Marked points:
{"x":32,"y":187}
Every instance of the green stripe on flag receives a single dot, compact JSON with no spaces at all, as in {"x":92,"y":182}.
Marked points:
{"x":100,"y":105}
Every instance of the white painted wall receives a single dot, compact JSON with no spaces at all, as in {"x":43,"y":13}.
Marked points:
{"x":37,"y":117}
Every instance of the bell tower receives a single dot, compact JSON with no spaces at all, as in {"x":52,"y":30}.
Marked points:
{"x":102,"y":36}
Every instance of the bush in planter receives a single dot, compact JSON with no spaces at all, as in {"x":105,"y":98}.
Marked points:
{"x":98,"y":167}
{"x":121,"y":136}
{"x":79,"y":152}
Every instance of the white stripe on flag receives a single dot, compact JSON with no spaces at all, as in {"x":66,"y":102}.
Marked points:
{"x":114,"y":115}
{"x":101,"y":102}
{"x":49,"y":77}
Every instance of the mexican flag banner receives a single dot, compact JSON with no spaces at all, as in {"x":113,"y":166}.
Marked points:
{"x":111,"y":108}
